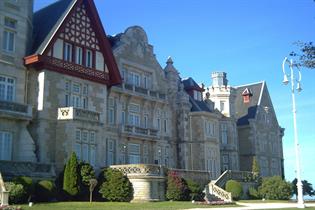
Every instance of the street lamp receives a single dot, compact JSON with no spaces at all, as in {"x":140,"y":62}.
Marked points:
{"x":296,"y":141}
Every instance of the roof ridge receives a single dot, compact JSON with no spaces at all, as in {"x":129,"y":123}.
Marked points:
{"x":254,"y":83}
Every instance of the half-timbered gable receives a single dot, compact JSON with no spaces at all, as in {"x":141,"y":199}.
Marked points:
{"x":75,"y":44}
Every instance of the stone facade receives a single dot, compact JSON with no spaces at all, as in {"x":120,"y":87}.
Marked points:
{"x":68,"y":97}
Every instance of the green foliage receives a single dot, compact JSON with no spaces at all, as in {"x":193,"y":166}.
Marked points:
{"x":307,"y":188}
{"x":255,"y":166}
{"x":306,"y":56}
{"x":195,"y":191}
{"x":275,"y":188}
{"x":17,"y":193}
{"x":45,"y":190}
{"x":177,"y":189}
{"x":71,"y":178}
{"x":86,"y":174}
{"x":235,"y":188}
{"x":253,"y":193}
{"x":116,"y":187}
{"x":28,"y":185}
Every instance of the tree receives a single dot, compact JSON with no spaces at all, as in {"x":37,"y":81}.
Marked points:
{"x":307,"y":188}
{"x":116,"y":187}
{"x":275,"y":188}
{"x":306,"y":56}
{"x":71,"y":178}
{"x":86,"y":174}
{"x":177,"y":189}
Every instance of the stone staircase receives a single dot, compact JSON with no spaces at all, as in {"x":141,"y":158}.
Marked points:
{"x":4,"y":194}
{"x":214,"y":190}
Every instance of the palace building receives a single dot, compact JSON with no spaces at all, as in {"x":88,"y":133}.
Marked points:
{"x":66,"y":86}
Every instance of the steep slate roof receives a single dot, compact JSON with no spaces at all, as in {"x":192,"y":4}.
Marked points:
{"x":246,"y":111}
{"x":190,"y":84}
{"x":46,"y":22}
{"x":198,"y":106}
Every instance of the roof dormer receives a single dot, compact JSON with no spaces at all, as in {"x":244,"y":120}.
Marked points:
{"x":247,"y":94}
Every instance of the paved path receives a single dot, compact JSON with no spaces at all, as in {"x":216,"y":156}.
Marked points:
{"x":253,"y":206}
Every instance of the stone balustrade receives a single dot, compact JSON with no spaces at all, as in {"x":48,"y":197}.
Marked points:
{"x":4,"y":193}
{"x":141,"y":91}
{"x":136,"y":130}
{"x":72,"y":113}
{"x":16,"y":110}
{"x":219,"y":192}
{"x":11,"y":169}
{"x":141,"y":169}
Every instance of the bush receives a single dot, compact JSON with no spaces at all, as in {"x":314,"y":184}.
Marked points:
{"x":71,"y":178}
{"x":275,"y":188}
{"x":253,"y":193}
{"x":45,"y":191}
{"x":17,"y":193}
{"x":86,"y":174}
{"x":28,"y":185}
{"x":235,"y":188}
{"x":195,"y":191}
{"x":177,"y":189}
{"x":116,"y":187}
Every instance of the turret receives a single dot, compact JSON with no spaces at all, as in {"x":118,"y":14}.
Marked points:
{"x":172,"y":75}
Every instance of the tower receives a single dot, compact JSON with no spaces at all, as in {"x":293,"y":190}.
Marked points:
{"x":222,"y":94}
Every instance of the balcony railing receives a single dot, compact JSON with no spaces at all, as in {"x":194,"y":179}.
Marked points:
{"x":16,"y":110}
{"x":142,"y":91}
{"x":139,"y":130}
{"x":72,"y":113}
{"x":141,"y":169}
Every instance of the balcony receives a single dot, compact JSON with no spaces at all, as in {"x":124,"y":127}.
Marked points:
{"x":139,"y":131}
{"x":12,"y":110}
{"x":140,"y":91}
{"x":72,"y":113}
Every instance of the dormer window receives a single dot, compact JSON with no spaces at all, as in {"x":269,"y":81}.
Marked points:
{"x":67,"y":52}
{"x":88,"y":58}
{"x":197,"y":95}
{"x":247,"y":94}
{"x":79,"y":55}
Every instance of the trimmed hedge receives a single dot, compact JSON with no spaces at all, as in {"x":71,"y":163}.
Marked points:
{"x":116,"y":186}
{"x":71,"y":178}
{"x":275,"y":188}
{"x":235,"y":188}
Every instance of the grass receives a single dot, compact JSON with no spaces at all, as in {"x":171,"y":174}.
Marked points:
{"x":167,"y":205}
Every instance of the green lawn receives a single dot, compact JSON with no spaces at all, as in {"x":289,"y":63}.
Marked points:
{"x":117,"y":206}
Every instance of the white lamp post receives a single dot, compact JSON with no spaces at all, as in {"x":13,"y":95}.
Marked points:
{"x":285,"y":81}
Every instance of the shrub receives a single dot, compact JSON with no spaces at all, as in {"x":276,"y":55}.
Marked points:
{"x":17,"y":193}
{"x":86,"y":174}
{"x":177,"y":189}
{"x":71,"y":178}
{"x":235,"y":188}
{"x":275,"y":188}
{"x":195,"y":191}
{"x":45,"y":191}
{"x":28,"y":185}
{"x":253,"y":193}
{"x":116,"y":187}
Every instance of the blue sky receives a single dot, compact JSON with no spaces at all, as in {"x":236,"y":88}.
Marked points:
{"x":245,"y":38}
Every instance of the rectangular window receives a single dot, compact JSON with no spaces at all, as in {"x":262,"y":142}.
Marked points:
{"x":123,"y":117}
{"x":158,"y":122}
{"x":111,"y":116}
{"x":110,"y":152}
{"x":5,"y":145}
{"x":225,"y":159}
{"x":85,"y":146}
{"x":9,"y":22}
{"x":8,"y":43}
{"x":67,"y":52}
{"x":134,"y":119}
{"x":78,"y":55}
{"x":224,"y":136}
{"x":7,"y":88}
{"x":89,"y":58}
{"x":134,"y":153}
{"x":165,"y":125}
{"x":145,"y":82}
